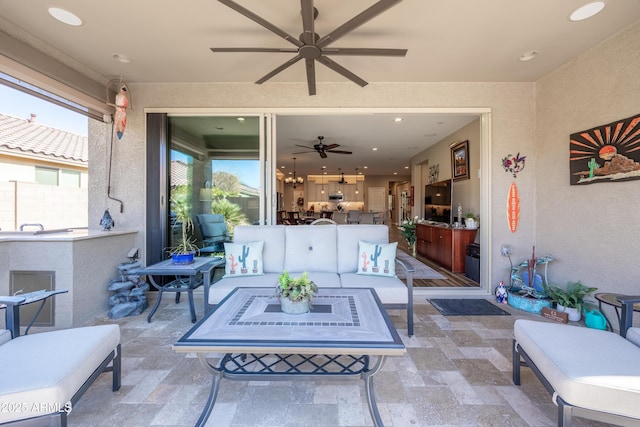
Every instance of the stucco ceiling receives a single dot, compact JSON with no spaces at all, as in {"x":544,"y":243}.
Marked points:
{"x":447,"y":41}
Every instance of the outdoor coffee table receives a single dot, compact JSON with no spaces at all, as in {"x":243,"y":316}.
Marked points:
{"x":336,"y":340}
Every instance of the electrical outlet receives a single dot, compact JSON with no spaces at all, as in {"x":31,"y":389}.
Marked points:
{"x":505,"y":250}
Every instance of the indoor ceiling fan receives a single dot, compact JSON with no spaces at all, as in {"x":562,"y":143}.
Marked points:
{"x":322,"y":149}
{"x":310,"y":46}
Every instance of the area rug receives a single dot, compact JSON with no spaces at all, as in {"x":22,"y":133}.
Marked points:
{"x":422,"y":271}
{"x":467,"y":307}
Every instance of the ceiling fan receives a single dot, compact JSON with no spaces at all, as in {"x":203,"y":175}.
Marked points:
{"x":323,"y":149}
{"x":311,"y":47}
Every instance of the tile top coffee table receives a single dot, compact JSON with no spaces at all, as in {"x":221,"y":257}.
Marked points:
{"x":336,"y":340}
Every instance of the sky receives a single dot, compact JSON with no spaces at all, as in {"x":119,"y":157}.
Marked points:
{"x":21,"y":105}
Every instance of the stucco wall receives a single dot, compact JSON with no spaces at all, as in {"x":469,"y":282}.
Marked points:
{"x":512,"y":112}
{"x":591,"y":230}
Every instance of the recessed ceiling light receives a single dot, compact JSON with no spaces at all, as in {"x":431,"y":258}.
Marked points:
{"x":395,"y":173}
{"x":398,"y":119}
{"x":241,"y":119}
{"x":366,"y":167}
{"x":586,"y":11}
{"x":374,"y":149}
{"x":406,"y":167}
{"x":65,"y":16}
{"x":121,"y":58}
{"x":528,"y":56}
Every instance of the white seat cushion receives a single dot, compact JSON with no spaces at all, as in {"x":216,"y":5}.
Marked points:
{"x":390,"y":290}
{"x":50,"y":367}
{"x":633,"y":335}
{"x":223,"y":287}
{"x":589,"y":368}
{"x":5,"y":336}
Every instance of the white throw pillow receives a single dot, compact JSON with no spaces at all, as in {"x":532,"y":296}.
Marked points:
{"x":243,"y":259}
{"x":377,"y":259}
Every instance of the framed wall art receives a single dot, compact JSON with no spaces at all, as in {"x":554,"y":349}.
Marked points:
{"x":607,"y":153}
{"x":460,"y":161}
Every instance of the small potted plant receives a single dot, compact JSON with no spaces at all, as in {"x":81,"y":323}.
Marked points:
{"x":184,"y":252}
{"x":470,"y":221}
{"x":569,"y":300}
{"x":296,"y":294}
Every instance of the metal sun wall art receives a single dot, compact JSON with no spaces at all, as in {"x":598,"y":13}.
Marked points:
{"x":606,"y":153}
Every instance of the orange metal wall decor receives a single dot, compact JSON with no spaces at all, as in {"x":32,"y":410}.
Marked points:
{"x":513,"y":208}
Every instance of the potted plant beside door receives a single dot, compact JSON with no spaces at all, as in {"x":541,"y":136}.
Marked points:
{"x":185,"y":249}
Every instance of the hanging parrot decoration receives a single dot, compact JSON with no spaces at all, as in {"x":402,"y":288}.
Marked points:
{"x":120,"y":117}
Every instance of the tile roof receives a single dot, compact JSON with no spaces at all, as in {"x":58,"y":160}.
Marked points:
{"x":31,"y":137}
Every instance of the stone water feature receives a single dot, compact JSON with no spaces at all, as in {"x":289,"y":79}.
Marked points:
{"x":129,"y":298}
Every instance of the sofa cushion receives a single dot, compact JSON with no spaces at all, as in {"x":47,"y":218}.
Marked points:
{"x":633,"y":335}
{"x":390,"y":290}
{"x":5,"y":336}
{"x":50,"y":367}
{"x":311,"y":248}
{"x":274,"y":241}
{"x":220,"y":289}
{"x":243,"y":259}
{"x":377,"y":259}
{"x":349,"y":237}
{"x":589,"y":368}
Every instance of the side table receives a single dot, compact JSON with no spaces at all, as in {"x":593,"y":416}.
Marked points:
{"x":612,"y":300}
{"x":187,"y":278}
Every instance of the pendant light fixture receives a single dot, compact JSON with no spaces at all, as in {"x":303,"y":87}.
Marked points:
{"x":294,"y":180}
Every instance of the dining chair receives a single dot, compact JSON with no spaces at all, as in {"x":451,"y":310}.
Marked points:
{"x":340,"y":217}
{"x":354,"y":217}
{"x":366,"y":218}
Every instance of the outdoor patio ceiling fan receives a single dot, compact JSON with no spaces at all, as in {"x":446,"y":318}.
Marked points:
{"x":311,"y":47}
{"x":322,"y":149}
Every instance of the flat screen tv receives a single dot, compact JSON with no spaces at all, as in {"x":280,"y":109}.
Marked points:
{"x":437,"y":201}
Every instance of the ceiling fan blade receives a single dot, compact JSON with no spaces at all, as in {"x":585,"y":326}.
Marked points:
{"x":266,"y":24}
{"x":341,"y":70}
{"x":311,"y":75}
{"x":254,"y":49}
{"x":304,"y":146}
{"x":282,"y":67}
{"x":356,"y":21}
{"x":363,"y":51}
{"x":323,"y":154}
{"x":331,"y":146}
{"x":308,"y":31}
{"x":304,"y":152}
{"x":340,"y":152}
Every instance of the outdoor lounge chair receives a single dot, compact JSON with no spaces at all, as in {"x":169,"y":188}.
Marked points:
{"x":213,"y":229}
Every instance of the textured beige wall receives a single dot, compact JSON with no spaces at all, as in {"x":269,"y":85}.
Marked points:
{"x":591,"y":230}
{"x":511,"y":104}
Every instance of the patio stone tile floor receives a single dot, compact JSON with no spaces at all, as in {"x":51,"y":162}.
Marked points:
{"x":456,"y":372}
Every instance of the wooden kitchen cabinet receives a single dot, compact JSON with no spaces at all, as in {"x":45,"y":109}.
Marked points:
{"x":443,"y":245}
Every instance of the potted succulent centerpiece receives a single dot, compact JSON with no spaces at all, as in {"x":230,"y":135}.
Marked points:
{"x":296,"y":294}
{"x":185,"y":249}
{"x":569,"y":300}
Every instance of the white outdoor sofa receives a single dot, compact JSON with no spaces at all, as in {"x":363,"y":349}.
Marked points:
{"x":329,"y":253}
{"x":43,"y":375}
{"x":590,"y":373}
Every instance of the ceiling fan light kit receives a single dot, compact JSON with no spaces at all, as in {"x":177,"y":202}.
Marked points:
{"x":311,"y":47}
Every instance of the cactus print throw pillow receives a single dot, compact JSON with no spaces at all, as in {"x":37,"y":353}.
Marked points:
{"x":243,"y":259}
{"x":377,"y":259}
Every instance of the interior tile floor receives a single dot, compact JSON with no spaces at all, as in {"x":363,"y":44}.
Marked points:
{"x":456,"y":372}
